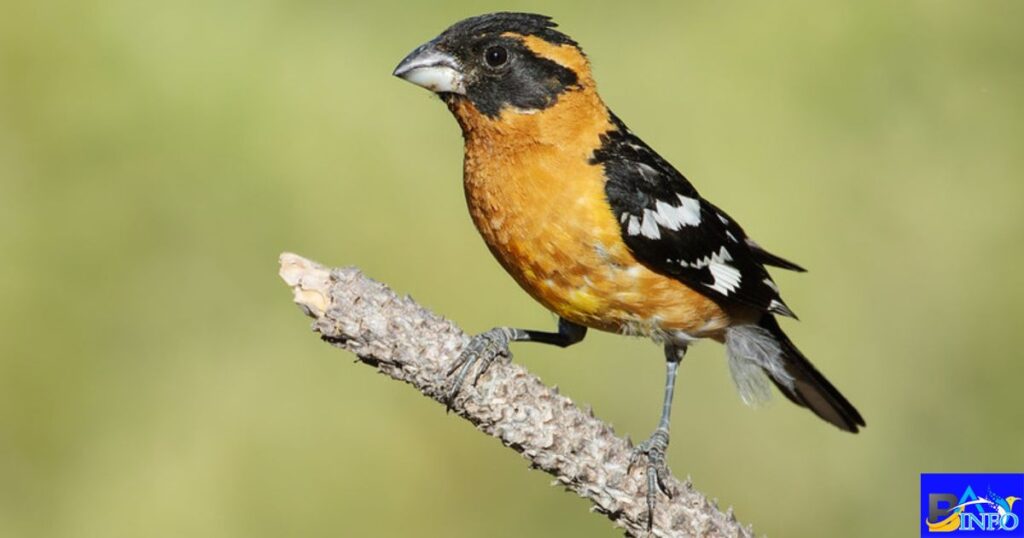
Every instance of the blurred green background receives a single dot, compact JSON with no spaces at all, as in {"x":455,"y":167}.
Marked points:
{"x":155,"y":157}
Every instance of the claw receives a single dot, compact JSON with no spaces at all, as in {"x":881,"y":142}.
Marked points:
{"x":653,"y":450}
{"x":484,"y":347}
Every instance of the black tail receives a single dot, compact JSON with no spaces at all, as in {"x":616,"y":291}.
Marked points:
{"x":810,"y":388}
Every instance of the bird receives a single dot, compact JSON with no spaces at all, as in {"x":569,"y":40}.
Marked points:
{"x":600,"y":229}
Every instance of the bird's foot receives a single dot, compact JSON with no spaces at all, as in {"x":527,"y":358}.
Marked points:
{"x":485,"y":348}
{"x":653,"y":450}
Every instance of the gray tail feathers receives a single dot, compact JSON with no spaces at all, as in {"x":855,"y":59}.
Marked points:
{"x":761,"y":352}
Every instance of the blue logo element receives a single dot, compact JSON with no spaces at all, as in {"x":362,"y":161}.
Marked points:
{"x":972,"y":504}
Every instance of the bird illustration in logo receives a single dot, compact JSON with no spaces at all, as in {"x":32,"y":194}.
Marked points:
{"x":1002,"y":506}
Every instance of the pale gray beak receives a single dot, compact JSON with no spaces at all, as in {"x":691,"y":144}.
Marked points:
{"x":432,"y":69}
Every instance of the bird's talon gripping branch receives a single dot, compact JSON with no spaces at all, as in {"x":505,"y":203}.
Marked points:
{"x":484,"y":348}
{"x":653,"y":451}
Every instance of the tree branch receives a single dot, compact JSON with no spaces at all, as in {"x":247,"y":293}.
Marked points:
{"x":409,"y":343}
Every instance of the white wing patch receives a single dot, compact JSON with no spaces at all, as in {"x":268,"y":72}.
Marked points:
{"x":649,"y":227}
{"x":675,"y":217}
{"x":690,"y":210}
{"x":634,"y":226}
{"x":722,"y":255}
{"x":727,"y":277}
{"x":664,"y":215}
{"x":667,"y":216}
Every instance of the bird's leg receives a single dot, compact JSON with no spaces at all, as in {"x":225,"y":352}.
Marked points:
{"x":653,"y":449}
{"x":488,"y":346}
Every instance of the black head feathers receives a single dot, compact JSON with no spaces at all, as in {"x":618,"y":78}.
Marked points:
{"x":495,"y":62}
{"x":530,"y":24}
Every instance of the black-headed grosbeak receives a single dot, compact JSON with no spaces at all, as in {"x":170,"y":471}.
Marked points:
{"x":597,"y":227}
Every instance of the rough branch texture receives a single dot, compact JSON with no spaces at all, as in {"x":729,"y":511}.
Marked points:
{"x":409,"y":343}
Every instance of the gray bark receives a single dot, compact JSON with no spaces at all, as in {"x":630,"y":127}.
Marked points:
{"x":409,"y":343}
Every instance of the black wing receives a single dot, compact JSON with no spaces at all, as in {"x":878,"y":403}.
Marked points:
{"x":672,"y":230}
{"x":768,"y":258}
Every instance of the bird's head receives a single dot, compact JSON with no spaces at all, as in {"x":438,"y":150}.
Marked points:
{"x":499,"y":65}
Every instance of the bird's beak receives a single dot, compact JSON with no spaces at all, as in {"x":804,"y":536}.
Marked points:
{"x":432,"y":69}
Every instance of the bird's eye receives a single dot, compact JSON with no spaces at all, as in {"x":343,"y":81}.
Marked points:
{"x":496,"y":56}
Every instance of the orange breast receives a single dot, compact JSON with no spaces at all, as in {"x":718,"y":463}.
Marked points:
{"x":541,"y":208}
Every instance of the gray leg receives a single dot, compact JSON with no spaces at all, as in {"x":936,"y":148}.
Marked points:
{"x":488,"y":346}
{"x":653,"y":449}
